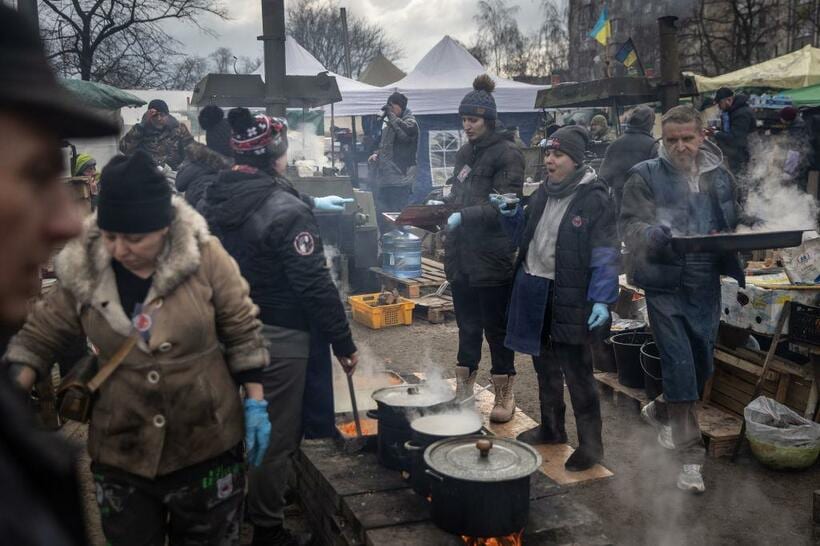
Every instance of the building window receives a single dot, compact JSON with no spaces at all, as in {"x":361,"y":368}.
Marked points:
{"x":442,"y":149}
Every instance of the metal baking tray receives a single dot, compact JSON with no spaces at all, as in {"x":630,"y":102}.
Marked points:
{"x":724,"y":242}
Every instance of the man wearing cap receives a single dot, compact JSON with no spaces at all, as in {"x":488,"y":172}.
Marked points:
{"x":37,"y":470}
{"x":395,"y":160}
{"x":737,"y":122}
{"x":160,"y":134}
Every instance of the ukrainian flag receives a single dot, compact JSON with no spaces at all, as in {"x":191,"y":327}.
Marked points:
{"x":603,"y":28}
{"x":627,"y":55}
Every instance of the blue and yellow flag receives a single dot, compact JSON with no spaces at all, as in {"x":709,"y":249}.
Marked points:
{"x":603,"y":28}
{"x":627,"y":55}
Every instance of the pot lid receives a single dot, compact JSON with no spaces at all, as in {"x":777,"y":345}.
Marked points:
{"x":448,"y":424}
{"x":482,"y":459}
{"x":413,"y":396}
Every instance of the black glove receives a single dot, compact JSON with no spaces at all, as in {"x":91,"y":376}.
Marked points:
{"x":386,"y":108}
{"x":658,"y":236}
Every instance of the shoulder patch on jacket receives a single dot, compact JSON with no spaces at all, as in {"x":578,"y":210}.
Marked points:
{"x":304,"y":244}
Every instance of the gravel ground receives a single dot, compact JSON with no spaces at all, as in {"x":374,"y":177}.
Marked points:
{"x":745,"y":504}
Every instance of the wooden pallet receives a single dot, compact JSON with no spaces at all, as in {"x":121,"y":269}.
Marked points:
{"x":434,"y":309}
{"x":432,"y":277}
{"x":720,"y":428}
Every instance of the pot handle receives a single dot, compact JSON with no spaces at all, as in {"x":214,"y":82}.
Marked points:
{"x":372,"y":414}
{"x":409,"y":445}
{"x":433,"y":475}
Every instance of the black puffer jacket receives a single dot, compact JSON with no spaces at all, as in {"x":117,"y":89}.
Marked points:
{"x":271,"y":232}
{"x":734,"y":139}
{"x":198,"y":171}
{"x":478,"y":251}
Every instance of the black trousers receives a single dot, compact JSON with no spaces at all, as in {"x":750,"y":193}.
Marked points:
{"x":197,"y":505}
{"x":390,"y":199}
{"x":482,"y":312}
{"x":559,"y":362}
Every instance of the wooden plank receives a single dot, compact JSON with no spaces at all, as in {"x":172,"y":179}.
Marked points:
{"x":433,"y":264}
{"x":610,"y":380}
{"x":717,"y":423}
{"x":555,"y":455}
{"x":783,"y":388}
{"x":742,"y":364}
{"x":778,"y":364}
{"x":727,"y":403}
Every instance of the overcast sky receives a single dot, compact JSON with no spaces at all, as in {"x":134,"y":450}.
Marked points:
{"x":416,"y":25}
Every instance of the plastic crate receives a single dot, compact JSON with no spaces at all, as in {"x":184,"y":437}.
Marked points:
{"x":367,"y":312}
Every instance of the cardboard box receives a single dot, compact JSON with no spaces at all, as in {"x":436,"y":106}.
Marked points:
{"x":758,"y":308}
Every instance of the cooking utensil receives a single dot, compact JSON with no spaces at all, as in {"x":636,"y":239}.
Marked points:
{"x":472,"y":396}
{"x":355,"y":406}
{"x":428,"y":217}
{"x":480,"y":486}
{"x":724,"y":242}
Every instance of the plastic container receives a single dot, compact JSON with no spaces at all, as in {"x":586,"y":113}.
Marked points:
{"x":627,"y":348}
{"x":401,"y":254}
{"x":651,"y":366}
{"x":367,"y":311}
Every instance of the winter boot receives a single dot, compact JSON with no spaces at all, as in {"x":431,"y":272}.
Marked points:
{"x":690,"y":479}
{"x":581,"y":460}
{"x":551,"y":430}
{"x":504,"y":405}
{"x":465,"y":382}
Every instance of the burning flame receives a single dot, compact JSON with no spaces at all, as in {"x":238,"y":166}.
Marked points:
{"x":509,"y":540}
{"x":369,"y":427}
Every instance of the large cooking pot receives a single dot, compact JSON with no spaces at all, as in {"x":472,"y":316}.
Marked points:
{"x":480,"y":487}
{"x":396,"y":407}
{"x":429,"y":430}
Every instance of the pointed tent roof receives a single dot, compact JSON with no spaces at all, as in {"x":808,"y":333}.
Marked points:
{"x":799,"y":68}
{"x":381,"y":72}
{"x":443,"y":76}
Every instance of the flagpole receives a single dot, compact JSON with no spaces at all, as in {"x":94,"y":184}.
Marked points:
{"x":607,"y":61}
{"x":640,"y":62}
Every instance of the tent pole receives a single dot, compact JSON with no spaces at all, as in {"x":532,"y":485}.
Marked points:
{"x":355,"y":173}
{"x":332,"y":151}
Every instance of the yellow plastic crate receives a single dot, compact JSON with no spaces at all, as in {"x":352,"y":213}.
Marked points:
{"x":367,"y":312}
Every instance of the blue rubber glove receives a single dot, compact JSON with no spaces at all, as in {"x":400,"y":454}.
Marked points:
{"x":454,"y":220}
{"x":331,"y":203}
{"x":659,"y":236}
{"x":257,"y":430}
{"x":503,"y":207}
{"x":598,"y":316}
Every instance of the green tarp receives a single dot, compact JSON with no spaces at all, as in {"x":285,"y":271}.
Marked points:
{"x":805,"y":96}
{"x":100,"y":95}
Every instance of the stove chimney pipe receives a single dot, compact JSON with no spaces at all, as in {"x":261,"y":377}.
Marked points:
{"x":273,"y":37}
{"x":670,"y":63}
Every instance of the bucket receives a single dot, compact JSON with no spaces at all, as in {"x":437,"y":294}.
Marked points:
{"x":651,"y":366}
{"x":603,"y":359}
{"x":627,"y":347}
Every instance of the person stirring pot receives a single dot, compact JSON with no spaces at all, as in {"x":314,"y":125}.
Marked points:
{"x":166,"y":431}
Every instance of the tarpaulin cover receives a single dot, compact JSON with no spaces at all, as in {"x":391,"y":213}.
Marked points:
{"x":807,"y":96}
{"x":100,"y":95}
{"x":800,"y":68}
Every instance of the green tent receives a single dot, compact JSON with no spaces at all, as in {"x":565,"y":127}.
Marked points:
{"x":804,"y":96}
{"x":100,"y":95}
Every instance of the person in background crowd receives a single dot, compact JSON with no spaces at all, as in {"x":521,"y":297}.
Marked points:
{"x":685,"y":191}
{"x":272,"y":233}
{"x":599,"y":129}
{"x":478,"y":258}
{"x":635,"y":145}
{"x":200,"y":168}
{"x":38,"y":470}
{"x":737,"y":122}
{"x":395,"y":160}
{"x":166,"y":430}
{"x":795,"y":137}
{"x":566,"y":278}
{"x":160,"y":135}
{"x":217,"y":130}
{"x":84,"y":165}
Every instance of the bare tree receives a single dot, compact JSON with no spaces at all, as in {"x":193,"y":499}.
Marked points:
{"x":549,"y":46}
{"x":120,"y":42}
{"x":222,"y":60}
{"x":498,"y":34}
{"x":317,"y":26}
{"x":188,"y":72}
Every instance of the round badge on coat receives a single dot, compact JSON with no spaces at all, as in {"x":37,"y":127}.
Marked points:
{"x":577,"y":221}
{"x":303,"y":243}
{"x":143,"y":323}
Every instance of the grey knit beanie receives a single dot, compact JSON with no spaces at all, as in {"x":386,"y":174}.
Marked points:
{"x":480,"y":102}
{"x":571,"y":140}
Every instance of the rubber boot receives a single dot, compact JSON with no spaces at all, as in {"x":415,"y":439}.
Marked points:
{"x":465,"y":382}
{"x":551,"y":429}
{"x":504,"y":405}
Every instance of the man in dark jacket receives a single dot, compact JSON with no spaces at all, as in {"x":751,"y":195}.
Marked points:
{"x":478,"y":254}
{"x":271,"y":232}
{"x":635,"y":145}
{"x":395,"y":160}
{"x":566,"y":278}
{"x":160,"y":134}
{"x":198,"y":171}
{"x":685,"y":191}
{"x":40,"y":497}
{"x":737,"y":123}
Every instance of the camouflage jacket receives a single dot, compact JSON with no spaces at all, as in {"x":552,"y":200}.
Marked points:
{"x":166,"y":146}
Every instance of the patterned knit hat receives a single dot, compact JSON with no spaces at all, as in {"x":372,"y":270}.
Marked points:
{"x":257,"y":135}
{"x":480,"y":102}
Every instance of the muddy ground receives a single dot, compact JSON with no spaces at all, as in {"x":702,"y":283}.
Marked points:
{"x":744,"y":504}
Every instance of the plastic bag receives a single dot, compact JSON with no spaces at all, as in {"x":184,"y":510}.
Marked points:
{"x":771,"y":422}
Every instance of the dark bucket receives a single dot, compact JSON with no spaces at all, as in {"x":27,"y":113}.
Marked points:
{"x":627,"y":347}
{"x":603,"y":359}
{"x":651,"y":366}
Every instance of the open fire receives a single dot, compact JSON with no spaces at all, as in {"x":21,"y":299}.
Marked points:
{"x":509,"y":540}
{"x":370,"y":427}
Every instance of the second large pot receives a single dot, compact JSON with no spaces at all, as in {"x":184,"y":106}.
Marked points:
{"x":480,"y":487}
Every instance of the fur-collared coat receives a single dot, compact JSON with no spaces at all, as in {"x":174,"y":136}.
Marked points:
{"x":173,"y":401}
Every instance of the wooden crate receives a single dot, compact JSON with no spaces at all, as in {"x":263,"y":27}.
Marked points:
{"x":434,"y":309}
{"x":432,"y":277}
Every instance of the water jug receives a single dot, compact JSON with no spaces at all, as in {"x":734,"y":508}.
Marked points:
{"x":401,"y":254}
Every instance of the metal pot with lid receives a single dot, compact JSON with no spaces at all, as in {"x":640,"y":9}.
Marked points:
{"x":480,"y":486}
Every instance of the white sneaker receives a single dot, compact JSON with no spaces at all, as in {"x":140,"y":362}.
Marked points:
{"x":664,"y":431}
{"x":690,"y":479}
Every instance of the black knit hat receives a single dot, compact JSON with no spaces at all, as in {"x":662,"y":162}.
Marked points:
{"x":217,"y":129}
{"x":134,"y":196}
{"x":398,"y":99}
{"x":159,"y":105}
{"x":571,"y":140}
{"x":480,"y":102}
{"x":723,"y":93}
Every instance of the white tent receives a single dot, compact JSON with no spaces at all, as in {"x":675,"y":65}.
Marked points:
{"x":443,"y":76}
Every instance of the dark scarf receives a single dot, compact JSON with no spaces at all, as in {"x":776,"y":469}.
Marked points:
{"x":566,"y":186}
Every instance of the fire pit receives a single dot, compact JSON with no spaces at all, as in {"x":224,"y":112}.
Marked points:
{"x":509,"y":540}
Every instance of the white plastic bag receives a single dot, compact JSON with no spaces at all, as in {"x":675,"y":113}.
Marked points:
{"x":771,"y":422}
